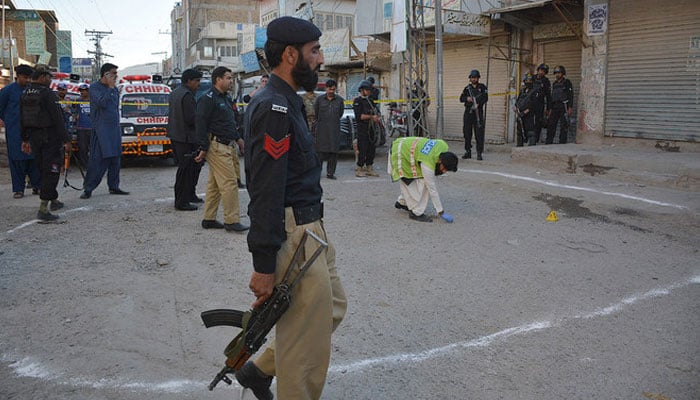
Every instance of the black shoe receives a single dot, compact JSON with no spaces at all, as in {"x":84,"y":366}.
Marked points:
{"x":118,"y":191}
{"x":46,"y":216}
{"x":241,"y":185}
{"x":466,"y":155}
{"x":400,"y":206}
{"x":186,"y":207}
{"x":86,"y":195}
{"x":331,"y":177}
{"x":237,"y":227}
{"x":250,"y":377}
{"x":421,"y":218}
{"x":196,"y":200}
{"x":35,"y":190}
{"x":212,"y":224}
{"x":478,"y":157}
{"x":56,"y":205}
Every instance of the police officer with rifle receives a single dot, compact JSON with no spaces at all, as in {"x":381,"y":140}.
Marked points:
{"x":367,"y":118}
{"x":283,"y":176}
{"x":544,"y":100}
{"x":524,"y":109}
{"x":562,"y":106}
{"x":43,"y":131}
{"x":474,"y":96}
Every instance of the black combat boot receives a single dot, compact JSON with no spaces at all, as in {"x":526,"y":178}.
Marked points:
{"x":250,"y":377}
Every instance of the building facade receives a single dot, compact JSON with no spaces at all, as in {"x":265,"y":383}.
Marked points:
{"x":614,"y":52}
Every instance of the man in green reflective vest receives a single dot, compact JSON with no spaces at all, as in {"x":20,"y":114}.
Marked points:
{"x":414,"y":162}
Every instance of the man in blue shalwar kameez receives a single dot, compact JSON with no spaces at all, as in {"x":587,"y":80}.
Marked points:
{"x":21,"y":164}
{"x":106,"y":142}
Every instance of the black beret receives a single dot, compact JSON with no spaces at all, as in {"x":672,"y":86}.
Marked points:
{"x":290,"y":30}
{"x":190,"y":74}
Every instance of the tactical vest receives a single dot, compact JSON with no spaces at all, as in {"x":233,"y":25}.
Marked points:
{"x":559,"y":91}
{"x":407,"y":155}
{"x":525,"y":94}
{"x":33,"y":114}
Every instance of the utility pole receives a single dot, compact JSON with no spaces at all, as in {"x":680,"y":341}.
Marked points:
{"x":416,"y":68}
{"x":439,"y":118}
{"x":165,"y":57}
{"x":97,"y":36}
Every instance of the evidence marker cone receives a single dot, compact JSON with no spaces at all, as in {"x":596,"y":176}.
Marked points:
{"x":552,"y":217}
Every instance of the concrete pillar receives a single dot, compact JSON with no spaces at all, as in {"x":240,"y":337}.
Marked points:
{"x":591,"y":101}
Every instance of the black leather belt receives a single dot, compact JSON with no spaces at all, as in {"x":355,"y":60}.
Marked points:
{"x":227,"y":142}
{"x":309,"y":214}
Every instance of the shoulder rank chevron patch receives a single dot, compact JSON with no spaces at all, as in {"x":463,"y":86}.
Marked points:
{"x":274,"y":148}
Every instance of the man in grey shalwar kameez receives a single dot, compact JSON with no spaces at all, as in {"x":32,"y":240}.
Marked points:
{"x":329,"y":109}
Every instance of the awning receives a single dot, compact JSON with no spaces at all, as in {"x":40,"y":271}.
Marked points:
{"x":518,"y":7}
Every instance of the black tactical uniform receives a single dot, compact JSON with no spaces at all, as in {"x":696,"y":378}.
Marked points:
{"x":528,"y":120}
{"x":366,"y":133}
{"x":543,"y":86}
{"x":280,"y":146}
{"x":473,"y":123}
{"x":562,"y":100}
{"x":43,"y":126}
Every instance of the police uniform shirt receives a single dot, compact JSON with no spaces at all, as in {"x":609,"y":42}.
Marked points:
{"x":563,"y":92}
{"x":215,"y":116}
{"x":362,"y":105}
{"x":545,"y":88}
{"x":281,"y":165}
{"x":478,"y":93}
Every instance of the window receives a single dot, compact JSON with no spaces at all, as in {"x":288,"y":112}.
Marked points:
{"x":268,"y":17}
{"x":318,"y":20}
{"x":332,"y":21}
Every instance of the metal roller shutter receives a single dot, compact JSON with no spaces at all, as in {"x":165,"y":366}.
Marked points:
{"x":459,"y":59}
{"x":568,"y":54}
{"x":653,"y":87}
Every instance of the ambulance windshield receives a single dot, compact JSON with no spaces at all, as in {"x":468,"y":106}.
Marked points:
{"x":144,"y":105}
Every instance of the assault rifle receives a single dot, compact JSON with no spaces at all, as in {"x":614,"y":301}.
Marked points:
{"x":258,"y":322}
{"x":567,"y":119}
{"x":374,"y":128}
{"x":66,"y":167}
{"x":520,"y":124}
{"x":475,"y":106}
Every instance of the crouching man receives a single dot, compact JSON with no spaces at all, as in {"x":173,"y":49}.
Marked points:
{"x":414,"y":162}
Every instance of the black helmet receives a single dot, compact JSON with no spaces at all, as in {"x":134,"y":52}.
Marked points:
{"x":475,"y":74}
{"x":527,"y":77}
{"x":365,"y":85}
{"x":560,"y":68}
{"x":543,"y":66}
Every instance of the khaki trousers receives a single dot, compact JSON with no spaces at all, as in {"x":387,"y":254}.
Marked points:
{"x":221,"y":185}
{"x":301,"y":352}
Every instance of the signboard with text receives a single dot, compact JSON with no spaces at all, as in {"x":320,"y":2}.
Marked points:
{"x":335,"y":45}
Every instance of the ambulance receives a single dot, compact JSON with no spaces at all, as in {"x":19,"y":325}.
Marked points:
{"x":143,"y":116}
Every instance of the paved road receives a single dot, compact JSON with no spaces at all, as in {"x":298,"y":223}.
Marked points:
{"x":603,"y":303}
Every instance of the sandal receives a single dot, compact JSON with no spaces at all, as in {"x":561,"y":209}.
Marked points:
{"x":18,"y":195}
